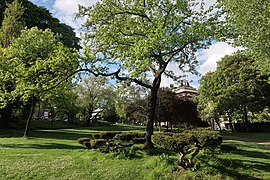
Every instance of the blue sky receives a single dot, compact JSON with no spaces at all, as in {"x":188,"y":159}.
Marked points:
{"x":64,"y":10}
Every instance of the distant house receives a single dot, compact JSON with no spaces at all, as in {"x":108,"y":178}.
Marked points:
{"x":185,"y":92}
{"x":185,"y":108}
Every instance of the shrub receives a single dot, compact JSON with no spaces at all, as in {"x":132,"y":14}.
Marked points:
{"x":105,"y":135}
{"x":97,"y":143}
{"x":85,"y":142}
{"x":187,"y":144}
{"x":129,"y":136}
{"x":139,"y":140}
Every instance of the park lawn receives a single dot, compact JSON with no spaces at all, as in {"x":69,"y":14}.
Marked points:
{"x":55,"y":154}
{"x":252,"y":136}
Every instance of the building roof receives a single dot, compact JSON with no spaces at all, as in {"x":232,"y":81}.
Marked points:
{"x":185,"y":89}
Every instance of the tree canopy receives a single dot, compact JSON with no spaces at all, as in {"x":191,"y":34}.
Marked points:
{"x":249,"y":22}
{"x":42,"y":18}
{"x":140,"y":38}
{"x":236,"y":86}
{"x":33,"y":61}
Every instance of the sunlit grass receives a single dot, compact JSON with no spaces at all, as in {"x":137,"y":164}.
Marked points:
{"x":55,"y":154}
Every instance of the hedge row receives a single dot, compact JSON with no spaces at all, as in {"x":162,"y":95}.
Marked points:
{"x":100,"y":139}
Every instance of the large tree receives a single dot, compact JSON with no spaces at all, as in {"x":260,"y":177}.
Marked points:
{"x":94,"y":95}
{"x":23,"y":57}
{"x":38,"y":63}
{"x":209,"y":106}
{"x":236,"y":86}
{"x":132,"y":104}
{"x":43,"y":19}
{"x":139,"y":38}
{"x":249,"y":21}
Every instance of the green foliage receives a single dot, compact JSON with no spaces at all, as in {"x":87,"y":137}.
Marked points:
{"x":97,"y":143}
{"x":152,"y":32}
{"x":249,"y":21}
{"x":106,"y":135}
{"x":132,"y":104}
{"x":139,"y":39}
{"x":34,"y":16}
{"x":129,"y":136}
{"x":83,"y":140}
{"x":236,"y":87}
{"x":95,"y":97}
{"x":12,"y":23}
{"x":187,"y":144}
{"x":39,"y":62}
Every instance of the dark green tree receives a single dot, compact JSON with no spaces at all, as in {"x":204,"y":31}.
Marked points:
{"x":43,"y":19}
{"x":236,"y":86}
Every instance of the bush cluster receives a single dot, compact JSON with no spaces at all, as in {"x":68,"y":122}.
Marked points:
{"x":105,"y":135}
{"x":85,"y":142}
{"x":116,"y":142}
{"x":187,"y":144}
{"x":130,"y":136}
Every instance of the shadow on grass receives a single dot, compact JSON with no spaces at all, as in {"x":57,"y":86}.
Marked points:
{"x":10,"y":133}
{"x":43,"y":146}
{"x":236,"y":166}
{"x":253,"y":154}
{"x":67,"y":134}
{"x":59,"y":134}
{"x":244,"y":144}
{"x":116,"y":128}
{"x":229,"y":168}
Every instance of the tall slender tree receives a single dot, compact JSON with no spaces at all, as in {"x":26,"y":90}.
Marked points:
{"x":11,"y":26}
{"x":39,"y":63}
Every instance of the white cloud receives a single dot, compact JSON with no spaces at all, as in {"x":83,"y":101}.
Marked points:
{"x":213,"y":54}
{"x":65,"y":11}
{"x":166,"y":81}
{"x":207,"y":59}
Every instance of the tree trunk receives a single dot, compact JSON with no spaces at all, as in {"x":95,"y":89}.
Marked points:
{"x":246,"y":120}
{"x":52,"y":117}
{"x":218,"y":124}
{"x":151,"y":119}
{"x":230,"y":122}
{"x":26,"y":131}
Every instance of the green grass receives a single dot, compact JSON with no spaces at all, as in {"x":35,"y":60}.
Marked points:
{"x":255,"y":136}
{"x":55,"y":154}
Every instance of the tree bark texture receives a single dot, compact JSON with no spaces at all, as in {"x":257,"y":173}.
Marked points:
{"x":33,"y":104}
